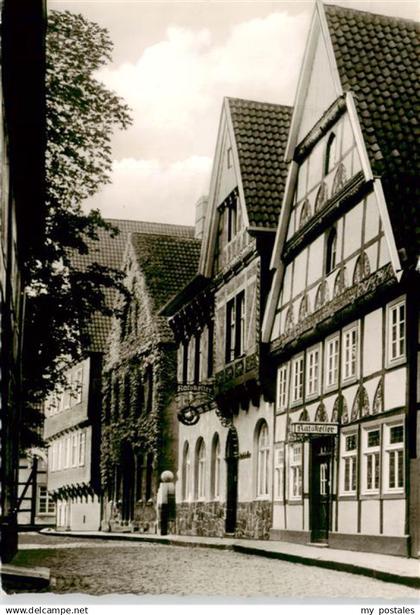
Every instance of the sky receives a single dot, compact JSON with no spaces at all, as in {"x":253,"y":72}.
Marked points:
{"x":173,"y":63}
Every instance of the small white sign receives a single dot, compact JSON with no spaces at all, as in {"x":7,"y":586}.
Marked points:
{"x":315,"y":428}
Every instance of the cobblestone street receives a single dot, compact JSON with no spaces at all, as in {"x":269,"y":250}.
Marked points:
{"x":102,"y":567}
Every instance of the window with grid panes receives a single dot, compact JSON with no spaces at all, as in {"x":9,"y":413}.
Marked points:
{"x":394,"y":458}
{"x":331,"y":361}
{"x":371,"y":460}
{"x":350,"y":350}
{"x":349,"y":464}
{"x":282,"y":376}
{"x":297,"y":379}
{"x":396,"y":331}
{"x":312,"y":372}
{"x":295,"y":471}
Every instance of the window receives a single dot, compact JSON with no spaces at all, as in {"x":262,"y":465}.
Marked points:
{"x":394,"y":458}
{"x":149,"y":476}
{"x":46,"y":506}
{"x":148,"y":387}
{"x":282,"y":378}
{"x":330,"y":153}
{"x":200,"y":470}
{"x":235,"y":327}
{"x":312,"y":372}
{"x":186,"y":473}
{"x":215,"y":468}
{"x":349,"y":464}
{"x":127,"y":395}
{"x":350,"y":352}
{"x":82,"y":448}
{"x":331,"y":251}
{"x":140,"y":395}
{"x":278,"y":471}
{"x":74,"y":449}
{"x":229,"y":157}
{"x":295,"y":465}
{"x":331,"y":361}
{"x":371,"y":460}
{"x":116,"y":399}
{"x":263,"y":451}
{"x":396,"y":331}
{"x":297,"y":379}
{"x":197,"y":358}
{"x":210,"y":333}
{"x":217,"y":261}
{"x":232,"y":213}
{"x":185,"y":362}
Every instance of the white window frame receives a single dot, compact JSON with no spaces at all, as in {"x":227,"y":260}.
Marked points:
{"x":369,"y":453}
{"x":334,"y":368}
{"x":278,"y":471}
{"x":282,"y":386}
{"x":313,"y":371}
{"x":201,"y":465}
{"x":351,"y":458}
{"x":295,"y":471}
{"x":394,"y":307}
{"x":74,"y":449}
{"x":393,"y":450}
{"x":216,"y":464}
{"x":82,"y":448}
{"x":296,"y":383}
{"x":263,"y":462}
{"x":44,"y":497}
{"x":186,"y":472}
{"x":350,"y":363}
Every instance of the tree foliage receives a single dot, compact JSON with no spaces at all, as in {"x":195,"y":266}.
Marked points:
{"x":81,"y":116}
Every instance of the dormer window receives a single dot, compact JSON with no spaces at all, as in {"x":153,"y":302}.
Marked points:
{"x":229,"y":158}
{"x":329,"y":159}
{"x":331,"y":251}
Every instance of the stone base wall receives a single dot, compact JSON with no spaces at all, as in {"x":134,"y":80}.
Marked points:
{"x":144,"y":518}
{"x":200,"y":519}
{"x":254,"y":520}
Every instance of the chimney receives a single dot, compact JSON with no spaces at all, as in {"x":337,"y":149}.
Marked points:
{"x":200,"y":216}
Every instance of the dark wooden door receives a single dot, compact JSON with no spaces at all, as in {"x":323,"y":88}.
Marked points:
{"x":320,"y":489}
{"x":231,"y":481}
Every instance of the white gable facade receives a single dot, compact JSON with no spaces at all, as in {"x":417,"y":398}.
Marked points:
{"x":335,"y":325}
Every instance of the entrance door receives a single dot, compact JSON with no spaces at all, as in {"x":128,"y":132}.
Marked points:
{"x":320,"y":488}
{"x":232,"y":480}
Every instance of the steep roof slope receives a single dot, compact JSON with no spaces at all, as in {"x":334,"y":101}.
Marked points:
{"x":109,"y":251}
{"x":168,"y":263}
{"x":261,"y":131}
{"x":377,"y":59}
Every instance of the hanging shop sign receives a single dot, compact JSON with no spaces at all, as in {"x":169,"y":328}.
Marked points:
{"x":316,"y":429}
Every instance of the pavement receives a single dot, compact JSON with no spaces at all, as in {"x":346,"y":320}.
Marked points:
{"x":405,"y":571}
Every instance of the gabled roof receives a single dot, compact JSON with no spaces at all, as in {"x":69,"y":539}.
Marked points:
{"x":109,"y":251}
{"x":168,"y":263}
{"x":260,"y":131}
{"x":377,"y":59}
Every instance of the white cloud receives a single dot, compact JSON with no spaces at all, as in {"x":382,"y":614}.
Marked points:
{"x":175,"y":90}
{"x":153,"y":191}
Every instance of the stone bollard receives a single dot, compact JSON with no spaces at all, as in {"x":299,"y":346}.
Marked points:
{"x":165,"y":502}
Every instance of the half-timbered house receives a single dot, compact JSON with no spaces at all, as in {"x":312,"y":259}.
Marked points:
{"x":139,"y":436}
{"x":342,"y":317}
{"x":224,"y":475}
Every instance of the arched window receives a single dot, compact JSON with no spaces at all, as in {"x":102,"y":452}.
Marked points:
{"x":215,"y":468}
{"x":305,"y":213}
{"x":200,"y":470}
{"x":148,"y":387}
{"x":331,"y":251}
{"x":361,"y":269}
{"x":140,"y":395}
{"x":329,"y":159}
{"x":149,"y":476}
{"x":263,"y":451}
{"x":186,"y":472}
{"x":116,"y":396}
{"x":127,"y":395}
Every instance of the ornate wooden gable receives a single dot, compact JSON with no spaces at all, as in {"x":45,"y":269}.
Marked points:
{"x":334,"y":242}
